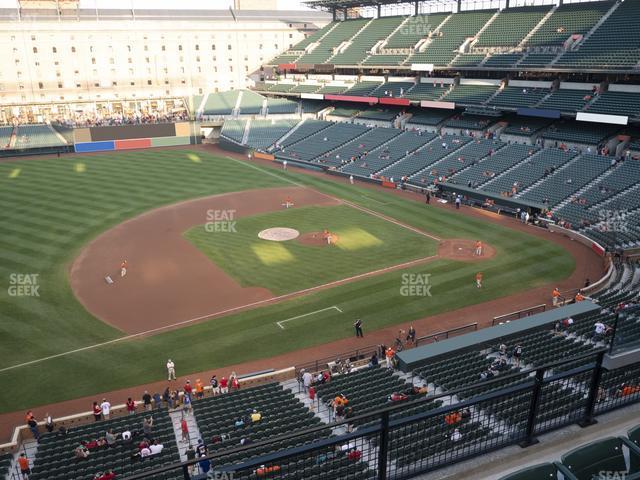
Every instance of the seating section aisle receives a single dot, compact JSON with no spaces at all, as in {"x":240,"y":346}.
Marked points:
{"x":568,"y":19}
{"x":34,"y":136}
{"x":251,"y":103}
{"x":291,"y":56}
{"x":384,"y":156}
{"x":325,"y":49}
{"x":511,"y":26}
{"x":234,"y":130}
{"x":264,"y":133}
{"x":350,"y":151}
{"x":377,"y":30}
{"x":221,"y":103}
{"x":420,"y":159}
{"x":323,"y":142}
{"x":443,"y":45}
{"x":527,"y":173}
{"x":55,"y":456}
{"x":519,"y":97}
{"x":568,"y":180}
{"x":614,"y":45}
{"x":499,"y":161}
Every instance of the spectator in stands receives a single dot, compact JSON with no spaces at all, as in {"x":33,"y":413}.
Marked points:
{"x":600,"y":331}
{"x":397,"y":397}
{"x":187,"y":389}
{"x":456,"y":436}
{"x":111,"y":438}
{"x":354,"y":455}
{"x":184,"y":428}
{"x":312,"y":396}
{"x":453,"y":418}
{"x":106,"y":409}
{"x":373,"y":361}
{"x":97,"y":412}
{"x":266,"y":471}
{"x":33,"y":425}
{"x":389,"y":354}
{"x":224,"y":385}
{"x":199,"y":389}
{"x":157,"y":400}
{"x":94,"y":444}
{"x":517,"y":355}
{"x":23,"y":463}
{"x":156,"y":447}
{"x":147,"y":427}
{"x":131,"y":406}
{"x":48,"y":423}
{"x":107,"y":475}
{"x":166,"y":398}
{"x":215,"y":387}
{"x":256,"y":416}
{"x":411,"y":335}
{"x":234,"y":383}
{"x":201,"y":448}
{"x":190,"y":453}
{"x":81,"y":452}
{"x":307,"y":379}
{"x":127,"y":436}
{"x":187,"y":406}
{"x":555,"y":296}
{"x":239,"y":423}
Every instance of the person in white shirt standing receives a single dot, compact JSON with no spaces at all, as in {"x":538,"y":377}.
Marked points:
{"x":106,"y":409}
{"x":171,"y":370}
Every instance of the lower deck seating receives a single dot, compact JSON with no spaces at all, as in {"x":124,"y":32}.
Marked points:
{"x":55,"y":458}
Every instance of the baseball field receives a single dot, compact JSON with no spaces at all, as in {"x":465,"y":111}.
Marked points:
{"x":201,"y":287}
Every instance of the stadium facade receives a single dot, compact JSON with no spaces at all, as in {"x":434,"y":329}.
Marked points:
{"x":65,"y":53}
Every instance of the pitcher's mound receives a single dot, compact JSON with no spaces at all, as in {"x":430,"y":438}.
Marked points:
{"x":464,"y":250}
{"x":316,"y":239}
{"x":279,"y":234}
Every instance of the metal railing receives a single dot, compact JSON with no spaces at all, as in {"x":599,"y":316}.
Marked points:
{"x":525,"y":312}
{"x":413,"y":437}
{"x":436,"y":337}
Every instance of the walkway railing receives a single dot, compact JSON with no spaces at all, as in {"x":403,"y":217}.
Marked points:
{"x":413,"y":437}
{"x":525,"y":312}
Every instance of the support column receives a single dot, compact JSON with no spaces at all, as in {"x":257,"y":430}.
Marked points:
{"x":417,"y":8}
{"x":345,"y":13}
{"x":335,"y":14}
{"x":379,"y":10}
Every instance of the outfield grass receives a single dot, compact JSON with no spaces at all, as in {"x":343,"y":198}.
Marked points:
{"x":50,"y":210}
{"x":365,"y":243}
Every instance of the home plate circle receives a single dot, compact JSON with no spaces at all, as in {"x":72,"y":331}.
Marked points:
{"x":279,"y":234}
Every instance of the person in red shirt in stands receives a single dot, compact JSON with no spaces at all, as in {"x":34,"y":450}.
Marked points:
{"x":354,"y":455}
{"x":131,"y":406}
{"x":97,"y":412}
{"x":187,"y":388}
{"x":224,"y":385}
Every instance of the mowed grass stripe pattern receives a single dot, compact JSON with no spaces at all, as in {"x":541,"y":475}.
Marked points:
{"x":522,"y":262}
{"x":51,"y":210}
{"x":365,"y":243}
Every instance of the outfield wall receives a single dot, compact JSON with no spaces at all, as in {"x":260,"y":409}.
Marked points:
{"x":128,"y":137}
